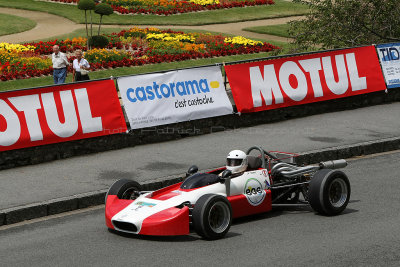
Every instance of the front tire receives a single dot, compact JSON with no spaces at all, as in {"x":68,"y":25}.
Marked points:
{"x":125,"y":189}
{"x":212,"y":216}
{"x":329,"y":192}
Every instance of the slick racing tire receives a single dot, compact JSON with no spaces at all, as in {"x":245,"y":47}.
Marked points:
{"x":212,"y":216}
{"x":329,"y":192}
{"x":125,"y":189}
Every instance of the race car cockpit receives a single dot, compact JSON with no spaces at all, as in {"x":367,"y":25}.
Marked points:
{"x":237,"y":162}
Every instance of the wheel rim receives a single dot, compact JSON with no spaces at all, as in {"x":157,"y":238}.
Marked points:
{"x":130,"y":193}
{"x":338,"y":192}
{"x":219,"y":217}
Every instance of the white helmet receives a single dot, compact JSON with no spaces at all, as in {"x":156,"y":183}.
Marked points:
{"x":236,"y":161}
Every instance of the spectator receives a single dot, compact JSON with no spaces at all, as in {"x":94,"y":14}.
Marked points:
{"x":81,"y":67}
{"x":60,"y":63}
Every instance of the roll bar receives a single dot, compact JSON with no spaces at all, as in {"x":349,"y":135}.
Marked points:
{"x":262,"y":153}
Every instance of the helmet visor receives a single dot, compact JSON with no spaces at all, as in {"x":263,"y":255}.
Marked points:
{"x":234,"y":162}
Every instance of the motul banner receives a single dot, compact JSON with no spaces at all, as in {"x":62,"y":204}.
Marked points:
{"x":174,"y":96}
{"x":59,"y":113}
{"x":277,"y":83}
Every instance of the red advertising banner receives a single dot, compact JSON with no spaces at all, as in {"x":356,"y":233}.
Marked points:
{"x":278,"y":83}
{"x":59,"y":113}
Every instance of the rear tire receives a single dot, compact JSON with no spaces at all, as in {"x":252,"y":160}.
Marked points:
{"x":125,"y":189}
{"x":212,"y":216}
{"x":329,"y":192}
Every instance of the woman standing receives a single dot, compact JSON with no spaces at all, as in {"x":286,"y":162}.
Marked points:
{"x":81,"y":67}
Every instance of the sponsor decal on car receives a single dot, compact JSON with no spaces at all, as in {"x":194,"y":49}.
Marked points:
{"x":254,"y":192}
{"x":141,"y":203}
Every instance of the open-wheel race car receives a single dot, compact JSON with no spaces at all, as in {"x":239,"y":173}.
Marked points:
{"x":248,"y":184}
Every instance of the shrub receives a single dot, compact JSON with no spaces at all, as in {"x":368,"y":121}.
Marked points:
{"x":86,"y":5}
{"x":99,"y":41}
{"x":103,"y":9}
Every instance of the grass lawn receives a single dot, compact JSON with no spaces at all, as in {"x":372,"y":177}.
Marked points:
{"x":35,"y":82}
{"x":10,"y":24}
{"x":280,"y":9}
{"x":82,"y":33}
{"x":278,"y":30}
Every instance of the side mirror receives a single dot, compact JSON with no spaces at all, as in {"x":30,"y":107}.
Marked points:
{"x":192,"y":170}
{"x":225,"y":175}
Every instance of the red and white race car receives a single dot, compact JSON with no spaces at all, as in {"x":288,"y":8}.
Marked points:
{"x":248,"y":184}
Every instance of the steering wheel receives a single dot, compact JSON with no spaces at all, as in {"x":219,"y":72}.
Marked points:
{"x":262,"y":154}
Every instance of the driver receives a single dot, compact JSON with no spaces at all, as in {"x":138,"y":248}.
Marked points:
{"x":236,"y":161}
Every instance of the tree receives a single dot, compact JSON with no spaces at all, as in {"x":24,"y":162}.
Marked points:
{"x":87,"y":5}
{"x":343,"y":23}
{"x":103,"y":10}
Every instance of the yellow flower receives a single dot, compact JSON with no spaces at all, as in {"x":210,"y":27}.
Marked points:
{"x":240,"y":40}
{"x":16,"y":47}
{"x":171,"y":37}
{"x":205,"y":2}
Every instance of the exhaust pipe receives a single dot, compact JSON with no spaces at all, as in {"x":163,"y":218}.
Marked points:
{"x":290,"y":171}
{"x":299,"y":171}
{"x":333,"y":164}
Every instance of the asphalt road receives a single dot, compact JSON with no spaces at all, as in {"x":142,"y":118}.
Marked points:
{"x":29,"y":184}
{"x":367,"y":234}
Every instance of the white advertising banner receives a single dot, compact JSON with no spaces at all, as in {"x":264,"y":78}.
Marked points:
{"x":389,"y":56}
{"x":175,"y":96}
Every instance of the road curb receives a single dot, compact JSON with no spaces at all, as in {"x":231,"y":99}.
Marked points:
{"x":349,"y":151}
{"x":80,"y":201}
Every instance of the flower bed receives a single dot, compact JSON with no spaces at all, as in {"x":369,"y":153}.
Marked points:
{"x":132,"y":47}
{"x":170,"y":7}
{"x":20,"y":61}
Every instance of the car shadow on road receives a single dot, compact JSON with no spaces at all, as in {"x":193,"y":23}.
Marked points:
{"x":257,"y":217}
{"x":178,"y":238}
{"x":287,"y":209}
{"x":192,"y":236}
{"x":348,"y":211}
{"x":275,"y":212}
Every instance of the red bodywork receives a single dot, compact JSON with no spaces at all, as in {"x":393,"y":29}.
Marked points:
{"x":172,"y":221}
{"x":175,"y":221}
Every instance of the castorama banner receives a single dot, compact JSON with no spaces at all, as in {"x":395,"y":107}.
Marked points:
{"x":277,"y":83}
{"x":175,"y":96}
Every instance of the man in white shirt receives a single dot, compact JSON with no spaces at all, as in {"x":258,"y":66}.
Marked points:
{"x":60,"y":63}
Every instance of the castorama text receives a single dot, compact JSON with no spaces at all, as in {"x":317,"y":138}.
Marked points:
{"x":175,"y":96}
{"x":159,"y":91}
{"x":304,"y":79}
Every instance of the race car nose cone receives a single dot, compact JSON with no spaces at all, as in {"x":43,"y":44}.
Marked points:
{"x":125,"y":226}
